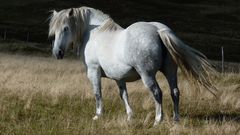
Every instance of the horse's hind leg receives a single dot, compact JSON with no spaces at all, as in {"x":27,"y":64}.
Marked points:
{"x":150,"y":82}
{"x":170,"y":72}
{"x":124,"y":96}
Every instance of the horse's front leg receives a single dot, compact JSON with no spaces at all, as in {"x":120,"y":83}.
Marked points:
{"x":94,"y":75}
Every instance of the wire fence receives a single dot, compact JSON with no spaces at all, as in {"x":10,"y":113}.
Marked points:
{"x":26,"y":35}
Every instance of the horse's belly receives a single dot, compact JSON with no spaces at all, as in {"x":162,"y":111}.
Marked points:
{"x":132,"y":76}
{"x":120,"y":72}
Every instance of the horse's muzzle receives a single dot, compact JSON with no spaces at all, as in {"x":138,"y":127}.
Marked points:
{"x":60,"y":54}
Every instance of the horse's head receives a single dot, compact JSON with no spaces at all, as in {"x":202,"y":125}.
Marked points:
{"x":69,"y":25}
{"x":62,"y":27}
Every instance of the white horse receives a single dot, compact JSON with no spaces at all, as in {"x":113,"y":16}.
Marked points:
{"x":137,"y":52}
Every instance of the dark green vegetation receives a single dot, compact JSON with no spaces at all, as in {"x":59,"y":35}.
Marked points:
{"x":205,"y":24}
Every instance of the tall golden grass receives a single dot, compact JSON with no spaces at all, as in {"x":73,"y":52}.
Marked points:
{"x":41,"y":95}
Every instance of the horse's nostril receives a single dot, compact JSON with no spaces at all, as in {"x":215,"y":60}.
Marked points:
{"x":60,"y":54}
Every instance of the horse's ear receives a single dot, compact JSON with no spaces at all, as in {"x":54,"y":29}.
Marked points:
{"x":54,"y":12}
{"x":70,"y":14}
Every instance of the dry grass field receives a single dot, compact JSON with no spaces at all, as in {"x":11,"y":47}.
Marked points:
{"x":41,"y":95}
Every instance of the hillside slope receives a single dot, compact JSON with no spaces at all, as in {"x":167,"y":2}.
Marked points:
{"x":206,"y":25}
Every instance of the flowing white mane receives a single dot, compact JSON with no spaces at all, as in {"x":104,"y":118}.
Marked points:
{"x":78,"y":20}
{"x":109,"y":25}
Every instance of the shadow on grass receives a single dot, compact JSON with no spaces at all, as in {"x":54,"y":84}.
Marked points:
{"x":220,"y":117}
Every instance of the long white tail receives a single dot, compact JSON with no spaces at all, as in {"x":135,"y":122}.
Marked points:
{"x":193,"y":63}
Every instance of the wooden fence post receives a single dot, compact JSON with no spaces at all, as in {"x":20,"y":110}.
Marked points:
{"x":222,"y":50}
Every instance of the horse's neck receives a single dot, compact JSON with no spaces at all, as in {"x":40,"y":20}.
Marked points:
{"x":92,"y":19}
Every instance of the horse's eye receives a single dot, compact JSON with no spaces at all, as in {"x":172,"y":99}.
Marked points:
{"x":65,"y":29}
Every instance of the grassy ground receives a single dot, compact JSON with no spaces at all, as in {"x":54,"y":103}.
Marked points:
{"x":40,"y":95}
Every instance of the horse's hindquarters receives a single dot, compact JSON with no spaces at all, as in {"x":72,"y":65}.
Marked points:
{"x":143,"y":47}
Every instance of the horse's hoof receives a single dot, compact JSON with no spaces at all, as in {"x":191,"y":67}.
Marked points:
{"x":176,"y":118}
{"x":129,"y":118}
{"x":96,"y":117}
{"x":156,"y":123}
